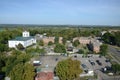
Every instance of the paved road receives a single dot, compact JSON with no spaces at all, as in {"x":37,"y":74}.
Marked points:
{"x":114,"y":52}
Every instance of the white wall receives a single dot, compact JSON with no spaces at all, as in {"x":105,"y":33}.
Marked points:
{"x":12,"y":43}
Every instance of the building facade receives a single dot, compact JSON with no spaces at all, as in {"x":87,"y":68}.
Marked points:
{"x":25,"y":40}
{"x":83,"y":40}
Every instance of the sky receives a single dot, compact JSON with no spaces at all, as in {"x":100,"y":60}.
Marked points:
{"x":63,"y":12}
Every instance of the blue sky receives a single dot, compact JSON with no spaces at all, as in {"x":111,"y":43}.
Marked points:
{"x":74,"y":12}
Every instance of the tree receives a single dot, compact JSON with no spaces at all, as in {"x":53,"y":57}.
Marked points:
{"x":3,"y":47}
{"x":39,"y":50}
{"x":68,"y":69}
{"x":64,"y":40}
{"x":28,"y":72}
{"x":117,"y":38}
{"x":59,"y":48}
{"x":56,"y":40}
{"x":81,"y":51}
{"x":103,"y":49}
{"x":17,"y":72}
{"x":41,"y":43}
{"x":109,"y":38}
{"x":116,"y":68}
{"x":2,"y":61}
{"x":22,"y":72}
{"x":20,"y":46}
{"x":50,"y":43}
{"x":76,"y":43}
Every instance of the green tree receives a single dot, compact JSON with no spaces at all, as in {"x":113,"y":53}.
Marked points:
{"x":59,"y":48}
{"x":117,"y":38}
{"x":116,"y":68}
{"x":76,"y":43}
{"x":17,"y":72}
{"x":50,"y":43}
{"x":109,"y":38}
{"x":68,"y":69}
{"x":39,"y":50}
{"x":56,"y":40}
{"x":20,"y":46}
{"x":64,"y":40}
{"x":2,"y":61}
{"x":29,"y":73}
{"x":3,"y":47}
{"x":22,"y":72}
{"x":41,"y":43}
{"x":81,"y":51}
{"x":103,"y":49}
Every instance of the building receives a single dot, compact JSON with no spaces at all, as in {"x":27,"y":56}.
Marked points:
{"x":25,"y":40}
{"x":45,"y":76}
{"x":83,"y":40}
{"x":95,"y":45}
{"x":46,"y":39}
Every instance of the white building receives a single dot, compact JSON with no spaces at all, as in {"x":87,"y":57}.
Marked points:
{"x":25,"y":40}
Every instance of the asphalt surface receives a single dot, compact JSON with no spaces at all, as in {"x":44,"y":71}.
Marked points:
{"x":49,"y":63}
{"x":115,"y":53}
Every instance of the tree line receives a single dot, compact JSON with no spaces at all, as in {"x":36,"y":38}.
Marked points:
{"x":112,"y":38}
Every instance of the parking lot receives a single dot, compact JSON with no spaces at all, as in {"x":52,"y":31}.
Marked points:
{"x":92,"y":58}
{"x":49,"y":62}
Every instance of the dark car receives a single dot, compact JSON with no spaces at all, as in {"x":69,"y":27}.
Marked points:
{"x":98,"y":62}
{"x":107,"y":60}
{"x":83,"y":65}
{"x":92,"y":62}
{"x":75,"y":56}
{"x":56,"y":59}
{"x":106,"y":69}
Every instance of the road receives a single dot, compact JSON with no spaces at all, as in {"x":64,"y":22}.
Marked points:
{"x":115,"y":53}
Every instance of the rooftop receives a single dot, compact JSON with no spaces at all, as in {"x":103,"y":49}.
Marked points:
{"x":22,"y":38}
{"x":45,"y":76}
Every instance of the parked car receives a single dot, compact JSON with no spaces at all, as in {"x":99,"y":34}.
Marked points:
{"x":83,"y":65}
{"x":56,"y":59}
{"x":37,"y":63}
{"x":98,"y":62}
{"x":106,"y":69}
{"x":75,"y":56}
{"x":85,"y":68}
{"x":107,"y":60}
{"x":92,"y":62}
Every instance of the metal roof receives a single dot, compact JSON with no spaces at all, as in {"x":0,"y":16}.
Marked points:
{"x":22,"y":38}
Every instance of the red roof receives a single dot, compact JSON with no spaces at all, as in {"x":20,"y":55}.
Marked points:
{"x":45,"y":76}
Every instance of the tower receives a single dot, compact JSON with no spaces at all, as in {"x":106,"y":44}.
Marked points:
{"x":25,"y":34}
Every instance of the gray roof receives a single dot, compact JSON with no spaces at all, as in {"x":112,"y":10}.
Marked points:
{"x":22,"y":38}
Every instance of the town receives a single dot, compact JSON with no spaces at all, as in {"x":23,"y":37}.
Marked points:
{"x":69,"y":53}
